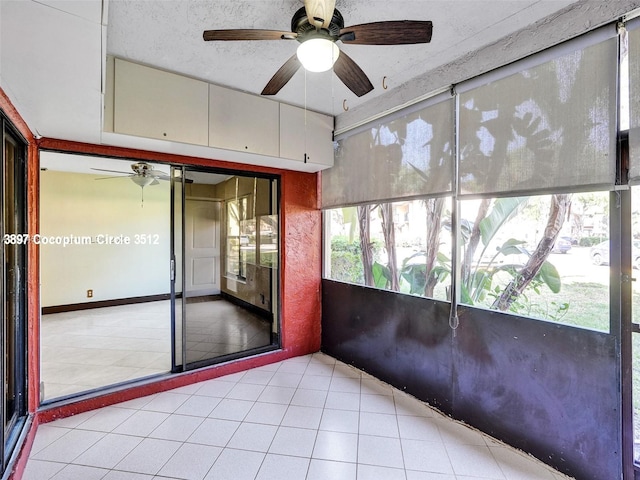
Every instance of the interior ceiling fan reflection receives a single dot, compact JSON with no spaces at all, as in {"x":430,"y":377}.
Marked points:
{"x":143,"y":174}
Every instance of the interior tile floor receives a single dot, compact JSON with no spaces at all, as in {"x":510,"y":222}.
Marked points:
{"x":306,"y":418}
{"x":86,"y":349}
{"x":216,"y":327}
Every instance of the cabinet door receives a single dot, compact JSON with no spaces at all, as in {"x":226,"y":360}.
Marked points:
{"x":158,"y":104}
{"x":243,"y":122}
{"x":304,"y":132}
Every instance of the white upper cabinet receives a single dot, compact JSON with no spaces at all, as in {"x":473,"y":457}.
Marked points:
{"x":142,"y":101}
{"x":306,"y":136}
{"x":243,"y":122}
{"x":158,"y":104}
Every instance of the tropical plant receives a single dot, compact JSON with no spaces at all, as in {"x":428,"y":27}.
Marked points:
{"x":537,"y":264}
{"x":346,"y":262}
{"x":388,"y":231}
{"x":416,"y":272}
{"x":366,"y":247}
{"x":486,"y":278}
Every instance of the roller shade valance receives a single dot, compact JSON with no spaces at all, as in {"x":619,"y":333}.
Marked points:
{"x":546,"y":127}
{"x":408,"y":155}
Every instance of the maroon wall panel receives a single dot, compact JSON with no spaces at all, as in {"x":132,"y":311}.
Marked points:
{"x":301,"y":262}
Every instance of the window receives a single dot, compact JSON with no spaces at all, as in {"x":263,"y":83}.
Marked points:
{"x":530,"y":138}
{"x":403,"y":246}
{"x":239,"y":235}
{"x":538,"y":256}
{"x":268,"y":240}
{"x":251,"y":225}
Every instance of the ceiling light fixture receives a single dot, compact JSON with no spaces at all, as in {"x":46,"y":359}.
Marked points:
{"x":318,"y":54}
{"x":142,"y":180}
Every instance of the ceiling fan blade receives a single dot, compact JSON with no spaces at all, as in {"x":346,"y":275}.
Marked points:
{"x":111,"y":171}
{"x":319,"y":12}
{"x":393,"y":32}
{"x":111,"y":178}
{"x":282,"y":76}
{"x":352,"y":75}
{"x":157,"y":173}
{"x":247,"y":34}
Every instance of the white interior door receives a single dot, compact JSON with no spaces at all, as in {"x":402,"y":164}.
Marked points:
{"x":202,"y":247}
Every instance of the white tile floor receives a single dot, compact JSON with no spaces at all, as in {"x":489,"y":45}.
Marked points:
{"x":86,"y":349}
{"x":306,"y":418}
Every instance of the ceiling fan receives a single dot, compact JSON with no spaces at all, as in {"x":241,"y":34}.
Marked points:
{"x":143,"y":174}
{"x":318,"y":26}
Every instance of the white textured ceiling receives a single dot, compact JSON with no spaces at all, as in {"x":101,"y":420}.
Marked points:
{"x":168,"y":34}
{"x":53,"y":54}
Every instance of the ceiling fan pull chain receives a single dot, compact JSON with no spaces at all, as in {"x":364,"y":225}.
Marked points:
{"x":305,"y":116}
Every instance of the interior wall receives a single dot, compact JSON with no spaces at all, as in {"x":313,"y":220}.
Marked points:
{"x":548,"y":389}
{"x":201,"y":190}
{"x":208,"y":231}
{"x":79,"y":205}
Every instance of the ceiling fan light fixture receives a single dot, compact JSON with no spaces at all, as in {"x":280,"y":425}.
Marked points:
{"x":318,"y":54}
{"x":142,"y":180}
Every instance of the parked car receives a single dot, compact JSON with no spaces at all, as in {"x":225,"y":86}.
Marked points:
{"x":572,"y":240}
{"x":562,"y":245}
{"x":600,"y":254}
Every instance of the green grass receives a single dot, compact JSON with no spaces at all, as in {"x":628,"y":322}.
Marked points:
{"x":588,"y":305}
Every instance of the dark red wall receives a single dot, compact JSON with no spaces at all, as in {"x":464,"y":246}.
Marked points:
{"x":302,"y":263}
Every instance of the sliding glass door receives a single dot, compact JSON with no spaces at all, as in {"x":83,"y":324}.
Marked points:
{"x":13,"y":316}
{"x":104,"y":245}
{"x":164,"y":268}
{"x":225,"y":253}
